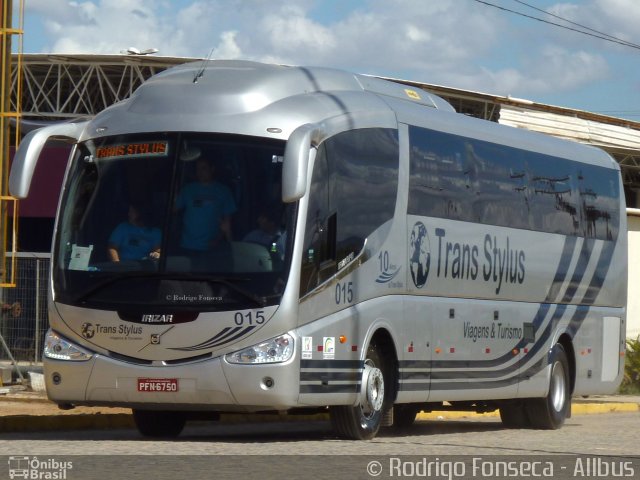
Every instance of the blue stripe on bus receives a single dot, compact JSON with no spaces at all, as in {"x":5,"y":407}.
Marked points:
{"x":335,"y":388}
{"x":331,"y":376}
{"x":602,"y":268}
{"x":331,"y":364}
{"x":226,"y":335}
{"x":563,"y":268}
{"x":581,"y":267}
{"x":577,"y":318}
{"x":471,"y":370}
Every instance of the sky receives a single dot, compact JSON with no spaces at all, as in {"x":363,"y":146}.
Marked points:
{"x":467,"y":44}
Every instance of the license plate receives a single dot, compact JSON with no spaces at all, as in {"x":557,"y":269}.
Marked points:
{"x":157,"y":384}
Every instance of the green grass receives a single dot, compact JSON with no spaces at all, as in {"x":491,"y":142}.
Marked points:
{"x":631,"y":381}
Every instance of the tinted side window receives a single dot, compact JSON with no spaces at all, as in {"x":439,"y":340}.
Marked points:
{"x":363,"y":166}
{"x":353,"y":192}
{"x":315,"y":235}
{"x":553,"y":196}
{"x":501,"y":193}
{"x":472,"y":180}
{"x":599,"y":194}
{"x":442,"y":175}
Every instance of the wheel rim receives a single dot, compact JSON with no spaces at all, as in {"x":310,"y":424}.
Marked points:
{"x":372,"y":391}
{"x":558,"y":387}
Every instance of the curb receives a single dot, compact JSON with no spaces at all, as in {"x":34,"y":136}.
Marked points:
{"x":576,"y":409}
{"x":85,"y":421}
{"x":594,"y":408}
{"x":44,"y":423}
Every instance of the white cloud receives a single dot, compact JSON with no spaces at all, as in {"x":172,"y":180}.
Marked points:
{"x":450,"y":42}
{"x":228,"y":47}
{"x":624,"y":15}
{"x":58,"y":9}
{"x":619,"y":18}
{"x":570,"y":69}
{"x":417,"y":34}
{"x":104,"y":26}
{"x":289,"y":31}
{"x":553,"y":69}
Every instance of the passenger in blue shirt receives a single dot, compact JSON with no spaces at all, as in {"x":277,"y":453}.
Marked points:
{"x":268,"y":234}
{"x":207,"y":206}
{"x":133,"y":239}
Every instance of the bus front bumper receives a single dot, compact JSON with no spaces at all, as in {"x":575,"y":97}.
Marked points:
{"x":204,"y":385}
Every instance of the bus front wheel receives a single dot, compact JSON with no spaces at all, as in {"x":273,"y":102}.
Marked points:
{"x":362,"y":421}
{"x":156,"y":423}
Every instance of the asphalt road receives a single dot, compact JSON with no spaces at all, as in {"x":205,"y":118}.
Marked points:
{"x":310,"y":450}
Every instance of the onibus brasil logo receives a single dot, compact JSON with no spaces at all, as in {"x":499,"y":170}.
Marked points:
{"x":41,"y":469}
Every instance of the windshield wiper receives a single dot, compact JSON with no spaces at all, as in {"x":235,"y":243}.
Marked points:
{"x":228,"y":282}
{"x":107,"y":282}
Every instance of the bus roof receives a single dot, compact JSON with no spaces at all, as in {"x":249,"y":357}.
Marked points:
{"x":248,"y":97}
{"x":271,"y":101}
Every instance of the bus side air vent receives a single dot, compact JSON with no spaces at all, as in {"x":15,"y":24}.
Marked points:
{"x":197,"y":358}
{"x":125,"y":358}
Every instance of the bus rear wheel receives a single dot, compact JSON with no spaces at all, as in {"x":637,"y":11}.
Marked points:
{"x":156,"y":423}
{"x":362,"y":421}
{"x":514,"y":415}
{"x":550,"y":412}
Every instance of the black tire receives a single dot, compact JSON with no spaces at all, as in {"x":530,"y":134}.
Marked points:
{"x":362,"y":422}
{"x":404,"y":415}
{"x":156,"y":423}
{"x":549,"y":413}
{"x":514,"y":415}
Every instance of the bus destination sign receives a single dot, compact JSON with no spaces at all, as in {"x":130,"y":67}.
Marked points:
{"x":142,"y":149}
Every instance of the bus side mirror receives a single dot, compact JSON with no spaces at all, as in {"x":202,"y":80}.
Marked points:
{"x":296,"y":162}
{"x":26,"y":157}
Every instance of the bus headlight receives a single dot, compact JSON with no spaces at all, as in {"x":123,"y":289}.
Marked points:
{"x":275,"y":350}
{"x":57,"y":348}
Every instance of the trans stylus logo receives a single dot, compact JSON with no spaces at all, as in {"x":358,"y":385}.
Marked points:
{"x":420,"y":259}
{"x":88,"y":331}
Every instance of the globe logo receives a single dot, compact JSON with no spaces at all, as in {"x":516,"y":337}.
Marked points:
{"x":420,"y":255}
{"x":88,"y":331}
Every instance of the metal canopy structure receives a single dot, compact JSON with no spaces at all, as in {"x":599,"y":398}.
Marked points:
{"x":63,"y":87}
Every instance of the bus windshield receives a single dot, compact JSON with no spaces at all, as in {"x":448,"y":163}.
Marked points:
{"x":173,"y":221}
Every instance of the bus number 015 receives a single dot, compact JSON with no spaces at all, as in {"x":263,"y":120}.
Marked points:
{"x":344,"y":292}
{"x":249,"y":318}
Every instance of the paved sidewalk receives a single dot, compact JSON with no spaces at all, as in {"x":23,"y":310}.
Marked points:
{"x":22,"y":410}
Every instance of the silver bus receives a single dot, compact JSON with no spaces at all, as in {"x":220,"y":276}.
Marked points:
{"x":242,"y":237}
